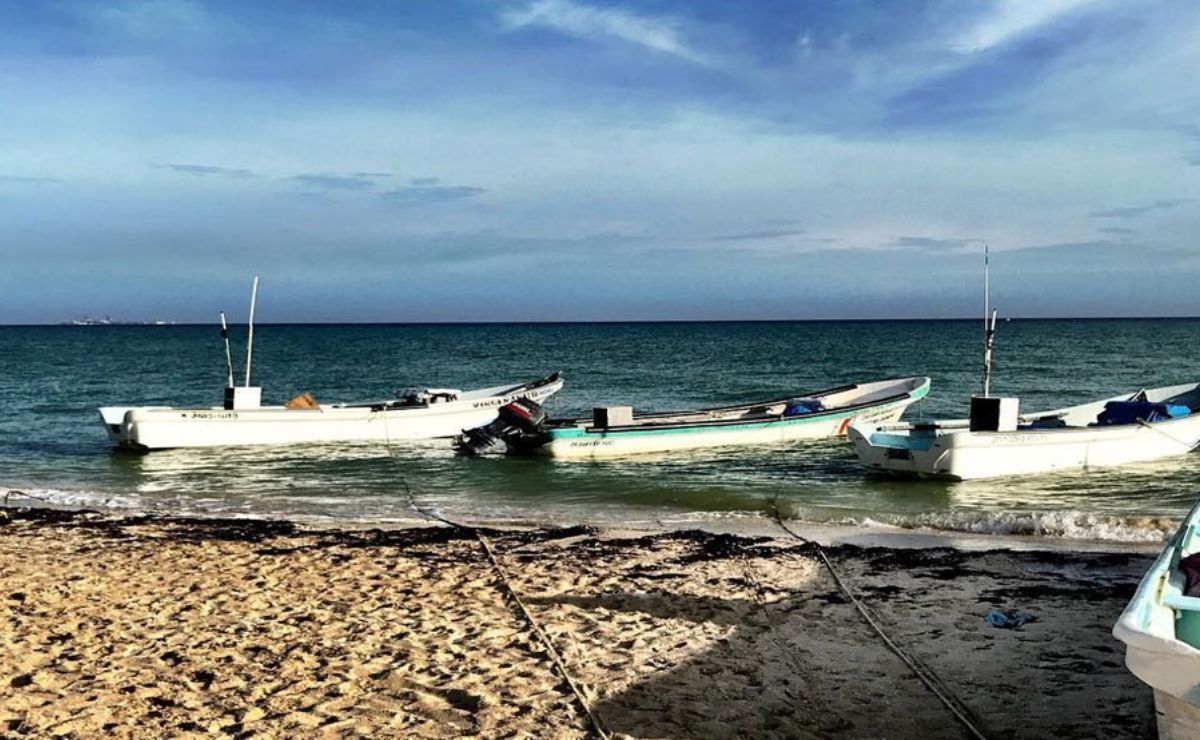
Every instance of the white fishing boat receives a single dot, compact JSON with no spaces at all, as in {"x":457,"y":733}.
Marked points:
{"x":1134,"y":427}
{"x":996,"y":440}
{"x":419,"y":413}
{"x":1161,"y":632}
{"x":616,"y":430}
{"x":422,"y":413}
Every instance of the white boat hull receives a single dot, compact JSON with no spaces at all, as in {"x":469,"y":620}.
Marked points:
{"x":949,"y":450}
{"x":1161,"y":631}
{"x":584,"y":441}
{"x":157,"y":428}
{"x":1177,"y":719}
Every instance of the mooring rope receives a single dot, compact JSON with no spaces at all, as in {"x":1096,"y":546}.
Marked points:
{"x":542,"y":636}
{"x":1190,"y":446}
{"x":923,"y":672}
{"x":536,"y":628}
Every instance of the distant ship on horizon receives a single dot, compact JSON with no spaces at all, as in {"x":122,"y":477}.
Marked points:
{"x":108,"y":321}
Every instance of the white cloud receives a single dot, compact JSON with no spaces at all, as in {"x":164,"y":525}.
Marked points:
{"x":1011,"y":18}
{"x":584,"y":21}
{"x":146,"y":20}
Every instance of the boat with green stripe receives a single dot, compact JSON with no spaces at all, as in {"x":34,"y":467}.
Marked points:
{"x":617,"y":430}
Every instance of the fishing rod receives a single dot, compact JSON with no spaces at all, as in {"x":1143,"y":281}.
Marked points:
{"x":989,"y":326}
{"x":228,"y":355}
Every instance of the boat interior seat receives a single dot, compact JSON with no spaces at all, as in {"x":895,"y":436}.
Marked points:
{"x":1181,"y":592}
{"x":1187,"y":616}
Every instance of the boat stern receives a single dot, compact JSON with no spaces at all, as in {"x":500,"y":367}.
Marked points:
{"x":904,"y":450}
{"x":116,"y":424}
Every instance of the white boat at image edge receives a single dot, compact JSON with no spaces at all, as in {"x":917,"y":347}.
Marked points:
{"x":419,"y":413}
{"x":616,"y":430}
{"x":1161,"y":632}
{"x":1134,"y":427}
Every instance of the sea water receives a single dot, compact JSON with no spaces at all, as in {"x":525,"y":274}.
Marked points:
{"x":53,"y":448}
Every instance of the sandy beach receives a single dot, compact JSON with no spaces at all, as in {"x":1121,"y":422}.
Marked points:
{"x":156,"y":627}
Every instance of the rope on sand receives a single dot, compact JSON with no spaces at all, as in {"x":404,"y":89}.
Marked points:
{"x":525,"y":613}
{"x":923,"y":672}
{"x":541,"y":635}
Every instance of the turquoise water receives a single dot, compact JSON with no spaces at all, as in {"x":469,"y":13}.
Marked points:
{"x":52,"y":445}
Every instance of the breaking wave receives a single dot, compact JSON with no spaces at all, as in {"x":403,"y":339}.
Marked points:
{"x":1071,"y":525}
{"x":1065,"y":525}
{"x":26,"y":496}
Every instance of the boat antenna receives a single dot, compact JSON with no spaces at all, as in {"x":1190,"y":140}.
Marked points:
{"x":250,"y":332}
{"x":228,"y":356}
{"x":989,"y":326}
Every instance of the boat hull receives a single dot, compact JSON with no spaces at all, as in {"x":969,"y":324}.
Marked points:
{"x":586,"y":442}
{"x":157,"y":428}
{"x":1161,"y":631}
{"x":1177,"y":719}
{"x":950,"y":451}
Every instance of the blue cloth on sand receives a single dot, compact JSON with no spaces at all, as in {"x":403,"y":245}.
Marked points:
{"x":1009,"y":619}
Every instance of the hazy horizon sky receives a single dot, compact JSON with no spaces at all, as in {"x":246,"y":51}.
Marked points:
{"x":543,"y":160}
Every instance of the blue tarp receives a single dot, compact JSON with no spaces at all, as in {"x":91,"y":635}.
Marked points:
{"x":1130,"y":412}
{"x":798,"y":406}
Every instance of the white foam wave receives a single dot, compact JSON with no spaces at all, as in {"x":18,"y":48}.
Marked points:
{"x":1071,"y":525}
{"x":81,"y":498}
{"x":1066,"y":525}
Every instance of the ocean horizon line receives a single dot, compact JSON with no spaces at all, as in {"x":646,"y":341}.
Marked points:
{"x":160,"y":324}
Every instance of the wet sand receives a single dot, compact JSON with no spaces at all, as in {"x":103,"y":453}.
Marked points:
{"x":154,"y":627}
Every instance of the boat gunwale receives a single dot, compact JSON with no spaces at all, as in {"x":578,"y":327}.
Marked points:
{"x":474,"y":394}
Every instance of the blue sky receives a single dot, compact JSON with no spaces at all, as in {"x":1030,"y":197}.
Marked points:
{"x":445,"y":160}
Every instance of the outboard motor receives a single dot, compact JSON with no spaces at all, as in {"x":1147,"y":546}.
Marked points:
{"x":521,"y":417}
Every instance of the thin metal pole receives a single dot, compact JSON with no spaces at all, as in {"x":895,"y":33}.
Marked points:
{"x":990,"y":334}
{"x":989,"y":329}
{"x":987,"y":288}
{"x":250,"y":333}
{"x":228,"y":356}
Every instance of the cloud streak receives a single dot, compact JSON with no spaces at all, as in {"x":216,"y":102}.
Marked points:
{"x":757,"y":235}
{"x":357,"y":182}
{"x":204,"y":170}
{"x":423,"y":195}
{"x":588,"y":22}
{"x":930,"y":244}
{"x":1011,"y":19}
{"x":1140,"y":210}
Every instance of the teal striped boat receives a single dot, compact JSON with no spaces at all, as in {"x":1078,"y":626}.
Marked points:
{"x":1161,"y":632}
{"x":825,"y":413}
